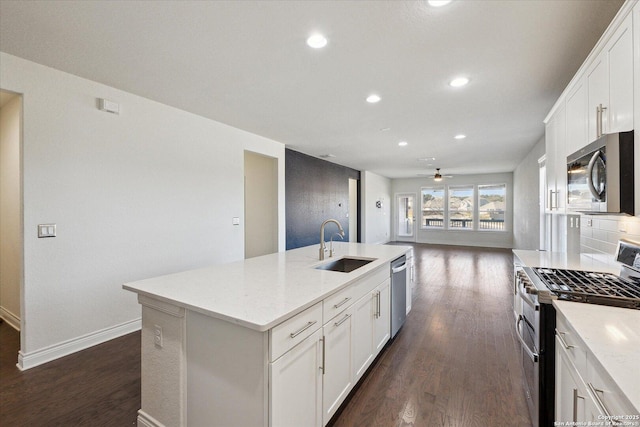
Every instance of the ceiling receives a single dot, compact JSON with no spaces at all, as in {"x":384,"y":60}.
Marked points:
{"x":246,"y":63}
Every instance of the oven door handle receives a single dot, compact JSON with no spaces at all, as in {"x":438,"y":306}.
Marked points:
{"x":533,"y":356}
{"x":524,"y":298}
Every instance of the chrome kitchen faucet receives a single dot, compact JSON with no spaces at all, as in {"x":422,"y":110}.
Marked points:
{"x":323,"y":245}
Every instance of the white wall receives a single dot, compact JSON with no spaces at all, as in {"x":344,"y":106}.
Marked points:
{"x":498,"y":239}
{"x":526,"y":200}
{"x":376,"y":222}
{"x":10,"y":215}
{"x":148,"y":192}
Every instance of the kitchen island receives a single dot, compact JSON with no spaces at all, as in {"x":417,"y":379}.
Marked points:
{"x":265,"y":341}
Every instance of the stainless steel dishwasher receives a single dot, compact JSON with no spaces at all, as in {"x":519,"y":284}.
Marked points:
{"x":398,"y":294}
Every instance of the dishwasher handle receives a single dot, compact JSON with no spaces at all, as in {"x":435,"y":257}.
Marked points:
{"x":400,"y":268}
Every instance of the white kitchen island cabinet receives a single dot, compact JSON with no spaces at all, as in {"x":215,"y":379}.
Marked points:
{"x":270,"y":341}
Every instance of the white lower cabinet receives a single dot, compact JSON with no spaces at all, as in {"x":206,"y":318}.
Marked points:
{"x":571,"y":393}
{"x":298,"y":369}
{"x":338,"y":346}
{"x":372,"y":327}
{"x":584,"y":391}
{"x":314,"y":368}
{"x":382,"y":322}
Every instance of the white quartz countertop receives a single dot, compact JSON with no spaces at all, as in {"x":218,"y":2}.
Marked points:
{"x":261,"y":292}
{"x":565,"y":261}
{"x":612,"y":335}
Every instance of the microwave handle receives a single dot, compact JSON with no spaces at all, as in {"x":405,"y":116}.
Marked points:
{"x":595,"y":193}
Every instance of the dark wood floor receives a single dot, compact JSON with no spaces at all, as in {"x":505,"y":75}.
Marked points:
{"x":452,"y":364}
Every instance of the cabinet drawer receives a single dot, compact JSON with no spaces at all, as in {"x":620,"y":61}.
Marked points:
{"x":293,"y":331}
{"x":338,"y":302}
{"x":573,"y":346}
{"x":371,"y":281}
{"x":609,"y":400}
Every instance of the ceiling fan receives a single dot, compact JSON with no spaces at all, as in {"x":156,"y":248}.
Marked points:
{"x":437,"y":176}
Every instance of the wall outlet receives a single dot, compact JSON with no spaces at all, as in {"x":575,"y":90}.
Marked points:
{"x":157,"y":336}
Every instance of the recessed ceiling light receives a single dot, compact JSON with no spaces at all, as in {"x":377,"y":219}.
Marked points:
{"x":460,"y":136}
{"x":438,"y":3}
{"x":459,"y":81}
{"x":373,"y":98}
{"x":403,"y":143}
{"x":385,"y":129}
{"x":317,"y":41}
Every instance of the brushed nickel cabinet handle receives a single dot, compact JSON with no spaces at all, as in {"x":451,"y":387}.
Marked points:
{"x":600,"y":402}
{"x":341,"y":303}
{"x":561,"y":338}
{"x":322,"y":367}
{"x":304,"y":328}
{"x":341,"y":321}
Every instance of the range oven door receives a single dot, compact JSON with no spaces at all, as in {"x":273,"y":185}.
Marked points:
{"x":527,"y":328}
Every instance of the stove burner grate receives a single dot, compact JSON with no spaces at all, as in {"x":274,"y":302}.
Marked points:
{"x":591,"y":287}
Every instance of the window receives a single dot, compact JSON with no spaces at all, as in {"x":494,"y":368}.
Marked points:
{"x":491,"y":206}
{"x":480,"y":207}
{"x":433,"y":207}
{"x":461,"y":207}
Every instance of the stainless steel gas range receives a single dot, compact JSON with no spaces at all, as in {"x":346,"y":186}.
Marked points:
{"x":534,"y":290}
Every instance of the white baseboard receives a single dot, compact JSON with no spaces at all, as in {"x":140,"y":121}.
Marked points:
{"x":146,"y":420}
{"x":11,"y":319}
{"x":47,"y":354}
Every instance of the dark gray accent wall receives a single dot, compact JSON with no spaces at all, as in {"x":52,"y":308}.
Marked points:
{"x":315,"y":190}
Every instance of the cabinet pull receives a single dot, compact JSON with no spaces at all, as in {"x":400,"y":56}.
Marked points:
{"x":561,"y":338}
{"x":576,"y":396}
{"x":551,"y":199}
{"x":602,"y":406}
{"x":341,"y":303}
{"x":379,"y":303}
{"x":341,"y":321}
{"x":304,"y":328}
{"x":322,"y":367}
{"x":599,"y":122}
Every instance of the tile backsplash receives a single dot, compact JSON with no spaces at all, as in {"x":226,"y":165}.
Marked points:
{"x":599,"y":234}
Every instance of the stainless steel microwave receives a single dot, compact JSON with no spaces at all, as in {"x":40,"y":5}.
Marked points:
{"x":600,"y":176}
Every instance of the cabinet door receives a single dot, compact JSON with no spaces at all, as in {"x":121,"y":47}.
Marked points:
{"x":571,"y":396}
{"x":560,"y":159}
{"x":577,"y":118}
{"x":296,"y":385}
{"x":382,"y":322}
{"x":364,"y":311}
{"x":620,"y":56}
{"x":337,"y":378}
{"x":598,"y":88}
{"x":550,"y":150}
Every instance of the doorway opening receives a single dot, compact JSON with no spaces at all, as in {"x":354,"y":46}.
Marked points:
{"x":11,"y":218}
{"x":260,"y":204}
{"x":405,"y":217}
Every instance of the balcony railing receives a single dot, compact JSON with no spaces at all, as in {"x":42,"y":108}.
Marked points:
{"x":484,"y":224}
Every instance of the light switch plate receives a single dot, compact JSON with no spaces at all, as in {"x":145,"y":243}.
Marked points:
{"x":46,"y":230}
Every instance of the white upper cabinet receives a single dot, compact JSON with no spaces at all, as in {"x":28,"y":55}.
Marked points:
{"x":556,"y":164}
{"x":610,"y":85}
{"x":620,"y":51}
{"x":598,"y":83}
{"x":577,"y":117}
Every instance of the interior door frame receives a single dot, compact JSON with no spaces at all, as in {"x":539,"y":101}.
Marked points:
{"x":396,"y":219}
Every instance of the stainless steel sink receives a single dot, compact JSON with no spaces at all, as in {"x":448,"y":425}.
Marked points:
{"x":345,"y":264}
